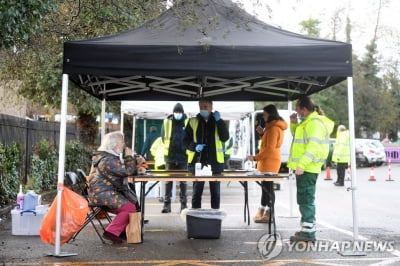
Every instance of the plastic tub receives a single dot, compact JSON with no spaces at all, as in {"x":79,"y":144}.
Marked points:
{"x":203,"y":223}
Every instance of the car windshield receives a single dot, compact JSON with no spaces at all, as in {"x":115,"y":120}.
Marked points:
{"x":377,"y":144}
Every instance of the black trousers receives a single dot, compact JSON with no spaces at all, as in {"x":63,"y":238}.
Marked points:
{"x":182,"y":184}
{"x":267,"y":193}
{"x":215,"y":190}
{"x":341,"y":171}
{"x":215,"y":187}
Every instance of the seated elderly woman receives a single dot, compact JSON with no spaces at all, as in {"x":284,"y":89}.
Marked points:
{"x":107,"y":169}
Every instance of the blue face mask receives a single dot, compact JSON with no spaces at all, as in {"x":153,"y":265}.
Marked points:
{"x":301,"y":118}
{"x":204,"y":113}
{"x":178,"y":116}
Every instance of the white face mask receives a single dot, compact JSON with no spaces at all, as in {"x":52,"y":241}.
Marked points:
{"x":178,"y":116}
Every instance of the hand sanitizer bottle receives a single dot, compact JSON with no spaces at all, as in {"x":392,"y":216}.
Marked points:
{"x":197,"y":169}
{"x":20,"y":199}
{"x":248,"y":165}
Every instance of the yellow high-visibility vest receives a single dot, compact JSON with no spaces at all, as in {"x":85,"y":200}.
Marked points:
{"x":167,"y":134}
{"x":230,"y":149}
{"x":156,"y":150}
{"x":341,"y":151}
{"x":194,"y":123}
{"x":310,"y":146}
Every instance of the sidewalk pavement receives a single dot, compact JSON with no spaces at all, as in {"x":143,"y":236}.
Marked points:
{"x":166,"y":242}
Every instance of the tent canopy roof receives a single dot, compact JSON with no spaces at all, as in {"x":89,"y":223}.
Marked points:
{"x":226,"y":54}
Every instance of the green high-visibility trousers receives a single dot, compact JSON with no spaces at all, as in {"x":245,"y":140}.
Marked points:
{"x":306,"y":200}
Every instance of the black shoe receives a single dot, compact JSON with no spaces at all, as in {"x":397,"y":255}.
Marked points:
{"x":298,"y":237}
{"x":183,"y":206}
{"x":123,"y":235}
{"x":115,"y":239}
{"x":166,"y":208}
{"x":338,"y":184}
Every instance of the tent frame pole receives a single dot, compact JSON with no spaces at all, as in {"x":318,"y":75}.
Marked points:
{"x":61,"y":167}
{"x":352,"y":156}
{"x":134,"y":134}
{"x":121,"y":122}
{"x":353,"y":169}
{"x":292,"y":177}
{"x":103,"y":118}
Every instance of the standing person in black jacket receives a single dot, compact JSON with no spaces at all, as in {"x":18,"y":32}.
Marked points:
{"x":205,"y":135}
{"x":172,"y":133}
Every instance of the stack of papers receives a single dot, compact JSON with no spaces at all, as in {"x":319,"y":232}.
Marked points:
{"x":258,"y":173}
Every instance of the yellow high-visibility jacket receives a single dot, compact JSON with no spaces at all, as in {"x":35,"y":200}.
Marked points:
{"x":341,"y":151}
{"x":194,"y":123}
{"x":157,"y":150}
{"x":310,"y":146}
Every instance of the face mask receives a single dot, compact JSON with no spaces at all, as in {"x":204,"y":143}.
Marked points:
{"x":204,"y":113}
{"x":301,"y":118}
{"x":178,"y":116}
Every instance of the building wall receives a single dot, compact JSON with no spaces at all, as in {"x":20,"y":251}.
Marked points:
{"x":12,"y":104}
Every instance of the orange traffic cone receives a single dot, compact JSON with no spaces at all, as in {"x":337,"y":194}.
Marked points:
{"x":328,"y":173}
{"x":371,"y":175}
{"x":348,"y":173}
{"x":389,"y":172}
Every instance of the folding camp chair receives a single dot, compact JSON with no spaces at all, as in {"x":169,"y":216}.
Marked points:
{"x":82,"y":179}
{"x":96,"y":211}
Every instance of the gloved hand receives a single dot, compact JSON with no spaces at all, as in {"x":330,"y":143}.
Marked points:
{"x":200,"y":147}
{"x":216,"y":115}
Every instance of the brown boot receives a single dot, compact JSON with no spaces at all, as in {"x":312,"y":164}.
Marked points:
{"x":259,"y":214}
{"x":262,"y":216}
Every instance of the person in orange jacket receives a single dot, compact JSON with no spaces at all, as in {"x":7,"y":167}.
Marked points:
{"x":269,"y":157}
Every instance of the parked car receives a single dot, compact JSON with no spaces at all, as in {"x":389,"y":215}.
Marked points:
{"x":369,"y":152}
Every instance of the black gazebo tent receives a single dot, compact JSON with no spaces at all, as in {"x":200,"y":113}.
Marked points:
{"x":224,"y":54}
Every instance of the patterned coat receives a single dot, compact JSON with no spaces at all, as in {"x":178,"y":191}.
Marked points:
{"x":101,"y":191}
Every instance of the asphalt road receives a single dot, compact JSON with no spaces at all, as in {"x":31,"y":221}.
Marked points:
{"x":166,"y":242}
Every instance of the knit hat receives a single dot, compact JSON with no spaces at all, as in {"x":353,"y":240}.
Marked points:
{"x":178,"y":108}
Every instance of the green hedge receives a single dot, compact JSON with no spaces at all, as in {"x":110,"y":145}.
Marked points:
{"x":10,"y":158}
{"x":43,"y":169}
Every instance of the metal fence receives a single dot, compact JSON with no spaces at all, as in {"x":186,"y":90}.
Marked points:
{"x":27,"y":133}
{"x":392,"y":154}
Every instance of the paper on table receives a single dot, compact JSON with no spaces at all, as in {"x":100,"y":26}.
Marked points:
{"x":269,"y":173}
{"x":256,"y":173}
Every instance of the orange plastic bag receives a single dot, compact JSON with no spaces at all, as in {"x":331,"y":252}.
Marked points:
{"x":74,"y":209}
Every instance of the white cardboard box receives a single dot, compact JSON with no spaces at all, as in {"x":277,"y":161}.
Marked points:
{"x":154,"y":193}
{"x":27,"y":223}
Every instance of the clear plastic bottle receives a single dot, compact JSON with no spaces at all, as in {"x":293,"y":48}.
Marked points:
{"x":20,"y":199}
{"x":197,"y":169}
{"x":248,"y":165}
